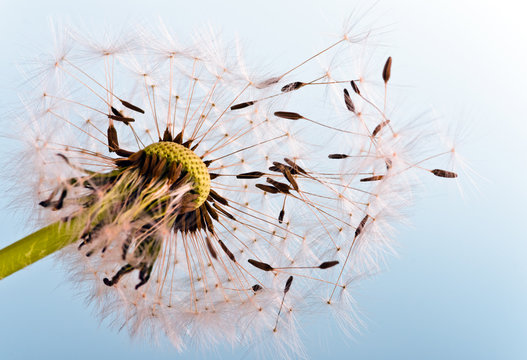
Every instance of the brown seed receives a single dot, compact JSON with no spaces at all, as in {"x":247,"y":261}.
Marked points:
{"x":268,"y":82}
{"x":211,"y":249}
{"x":267,"y":188}
{"x":386,"y":72}
{"x":290,"y":178}
{"x":359,"y":229}
{"x":213,"y":213}
{"x":146,"y":164}
{"x":132,"y":107}
{"x":159,"y":168}
{"x":137,"y":156}
{"x":208,"y":222}
{"x":184,"y":178}
{"x":113,"y":142}
{"x":292,"y":86}
{"x":281,"y":168}
{"x":286,"y":289}
{"x":150,"y":162}
{"x":337,"y":156}
{"x":60,"y":203}
{"x":116,"y":112}
{"x":63,"y":157}
{"x":355,"y":87}
{"x":167,"y":136}
{"x":276,"y":168}
{"x":294,"y":166}
{"x":288,"y":115}
{"x":444,"y":173}
{"x":124,"y":153}
{"x":115,"y":279}
{"x":348,"y":101}
{"x":47,"y":202}
{"x":372,"y":178}
{"x":227,"y":251}
{"x":260,"y":265}
{"x":198,"y":217}
{"x":194,"y":219}
{"x":181,"y":222}
{"x":220,"y":209}
{"x":256,"y":288}
{"x":179,"y":138}
{"x":123,"y":119}
{"x":214,"y":195}
{"x":380,"y":127}
{"x":284,"y":188}
{"x":174,"y":172}
{"x":242,"y":105}
{"x":328,"y":264}
{"x":281,"y":216}
{"x":250,"y":175}
{"x":388,"y":163}
{"x":288,"y":284}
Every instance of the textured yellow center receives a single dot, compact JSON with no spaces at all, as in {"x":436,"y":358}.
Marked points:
{"x":191,"y":163}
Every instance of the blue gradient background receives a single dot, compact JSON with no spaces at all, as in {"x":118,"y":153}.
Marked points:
{"x":457,"y":289}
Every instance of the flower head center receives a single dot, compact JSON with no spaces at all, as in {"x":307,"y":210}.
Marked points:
{"x":190,"y":162}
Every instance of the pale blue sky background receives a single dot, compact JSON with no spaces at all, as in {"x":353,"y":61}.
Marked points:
{"x":457,"y":290}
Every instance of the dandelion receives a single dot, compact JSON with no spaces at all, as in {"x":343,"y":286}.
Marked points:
{"x":208,"y":205}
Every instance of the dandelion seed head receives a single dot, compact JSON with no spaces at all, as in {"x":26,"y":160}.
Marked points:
{"x":202,"y":188}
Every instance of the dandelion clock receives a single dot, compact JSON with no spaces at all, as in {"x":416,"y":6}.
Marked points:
{"x":196,"y":200}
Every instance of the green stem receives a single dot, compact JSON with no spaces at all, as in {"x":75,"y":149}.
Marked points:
{"x":39,"y":244}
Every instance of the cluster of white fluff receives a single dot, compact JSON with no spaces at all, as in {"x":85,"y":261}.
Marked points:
{"x":193,"y":297}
